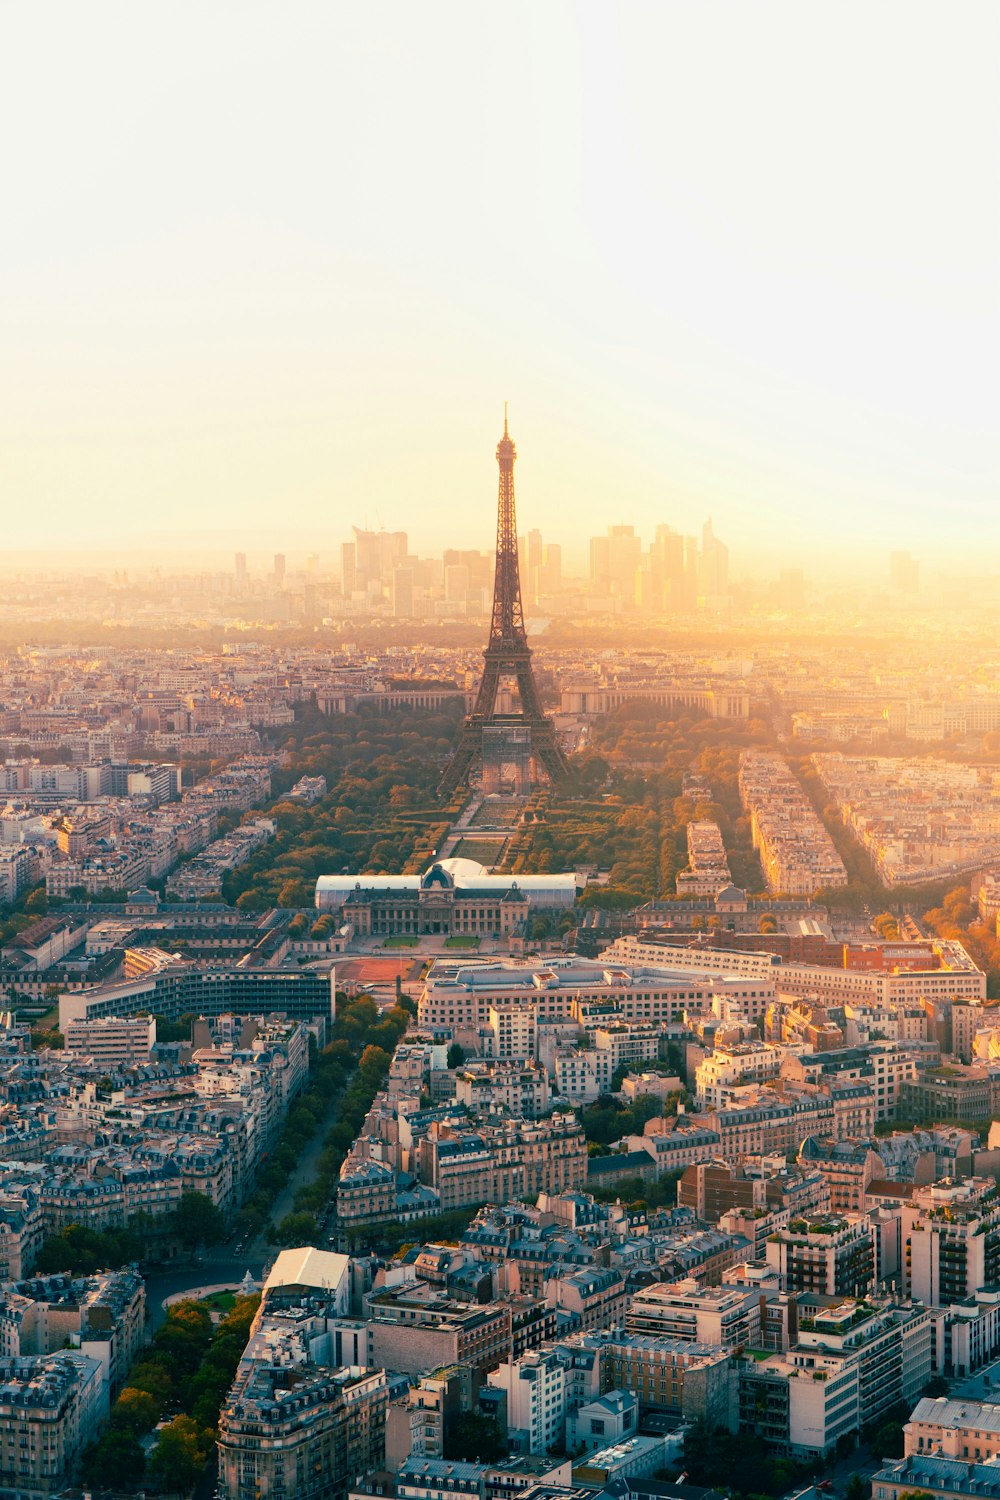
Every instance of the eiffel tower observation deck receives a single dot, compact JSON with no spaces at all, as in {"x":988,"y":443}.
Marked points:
{"x":517,"y":747}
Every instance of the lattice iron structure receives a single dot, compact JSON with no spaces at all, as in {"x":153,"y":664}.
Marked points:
{"x":508,"y":655}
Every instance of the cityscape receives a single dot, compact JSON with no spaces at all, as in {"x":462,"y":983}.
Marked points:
{"x":499,"y":755}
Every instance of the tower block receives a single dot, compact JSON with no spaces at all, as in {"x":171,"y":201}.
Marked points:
{"x":516,"y":745}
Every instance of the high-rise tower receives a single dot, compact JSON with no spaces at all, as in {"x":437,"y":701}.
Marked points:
{"x":519,"y":742}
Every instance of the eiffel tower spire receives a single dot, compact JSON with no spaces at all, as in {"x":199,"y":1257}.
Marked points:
{"x":528,"y":735}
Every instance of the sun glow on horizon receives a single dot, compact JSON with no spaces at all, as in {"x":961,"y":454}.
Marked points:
{"x":269,"y":271}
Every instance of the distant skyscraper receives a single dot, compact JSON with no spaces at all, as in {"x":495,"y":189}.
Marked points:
{"x":714,"y":571}
{"x":904,"y":572}
{"x":348,"y":568}
{"x":241,"y":567}
{"x":402,"y":593}
{"x":456,"y":583}
{"x":376,"y":555}
{"x":279,"y":568}
{"x":546,"y":576}
{"x":668,"y":550}
{"x":614,"y":562}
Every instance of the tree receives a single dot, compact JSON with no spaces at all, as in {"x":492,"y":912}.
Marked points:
{"x":296,"y":1229}
{"x":456,"y":1055}
{"x":135,"y":1411}
{"x":174,"y":1031}
{"x":117,"y":1462}
{"x":886,"y":925}
{"x":184,"y":1337}
{"x":151,"y":1375}
{"x":646,"y":1107}
{"x":198,"y":1220}
{"x":474,"y":1438}
{"x":294,"y":893}
{"x":374,"y":1062}
{"x":888,"y":1440}
{"x":251,"y":901}
{"x":181,"y":1454}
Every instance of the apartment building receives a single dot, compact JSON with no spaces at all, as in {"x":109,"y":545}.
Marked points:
{"x":727,"y":1317}
{"x":892,"y":1344}
{"x":291,"y":1430}
{"x":412,"y":1334}
{"x":732,"y":1064}
{"x":770,"y":1122}
{"x":535,"y":1391}
{"x":707,"y":870}
{"x":51,"y":1407}
{"x":366,"y":1192}
{"x":22,"y":1230}
{"x":967,"y":1333}
{"x":591,"y":1296}
{"x":937,"y":1478}
{"x":103,"y":1315}
{"x":832,"y":1255}
{"x":502,"y":1163}
{"x":112,"y":1041}
{"x":673,"y":1375}
{"x":796,"y":853}
{"x":951,"y":1094}
{"x":952,"y":1239}
{"x":849,"y":1167}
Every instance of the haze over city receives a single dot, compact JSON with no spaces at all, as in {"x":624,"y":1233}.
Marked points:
{"x":499,"y":751}
{"x":265,"y":273}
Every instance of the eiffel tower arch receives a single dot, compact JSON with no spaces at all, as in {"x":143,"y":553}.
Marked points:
{"x":523,"y":743}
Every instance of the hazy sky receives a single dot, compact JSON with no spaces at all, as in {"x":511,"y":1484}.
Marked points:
{"x":268,"y":269}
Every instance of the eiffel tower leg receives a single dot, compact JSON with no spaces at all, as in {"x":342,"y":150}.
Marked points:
{"x":549,"y":752}
{"x":486,"y":698}
{"x":527,"y":689}
{"x":457,"y":769}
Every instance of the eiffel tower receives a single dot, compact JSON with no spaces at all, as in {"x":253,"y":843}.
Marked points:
{"x":523,"y":741}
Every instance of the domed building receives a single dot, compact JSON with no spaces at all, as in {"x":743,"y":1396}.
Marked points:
{"x":455,"y":897}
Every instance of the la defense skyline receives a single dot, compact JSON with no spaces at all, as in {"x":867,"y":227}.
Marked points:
{"x":672,"y":573}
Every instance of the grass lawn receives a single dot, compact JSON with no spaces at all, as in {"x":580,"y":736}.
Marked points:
{"x":220,"y":1301}
{"x":402,"y":941}
{"x":483,"y":851}
{"x":494,"y":813}
{"x":461,"y":942}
